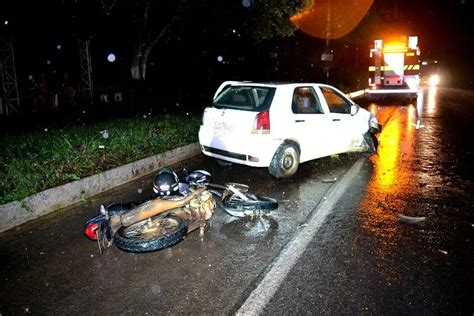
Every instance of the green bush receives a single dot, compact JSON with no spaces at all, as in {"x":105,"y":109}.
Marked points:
{"x":33,"y":162}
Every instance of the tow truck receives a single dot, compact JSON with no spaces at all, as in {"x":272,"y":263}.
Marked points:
{"x":394,"y":68}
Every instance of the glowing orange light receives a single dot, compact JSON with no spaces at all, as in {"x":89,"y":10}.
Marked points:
{"x":331,"y":18}
{"x":411,"y":118}
{"x":373,"y":108}
{"x":386,"y":174}
{"x":395,"y":47}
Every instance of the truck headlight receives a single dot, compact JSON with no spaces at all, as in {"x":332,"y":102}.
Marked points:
{"x":434,"y":80}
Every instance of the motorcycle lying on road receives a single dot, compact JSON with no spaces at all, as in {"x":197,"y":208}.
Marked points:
{"x":179,"y":207}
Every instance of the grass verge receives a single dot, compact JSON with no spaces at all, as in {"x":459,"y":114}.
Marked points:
{"x":39,"y":160}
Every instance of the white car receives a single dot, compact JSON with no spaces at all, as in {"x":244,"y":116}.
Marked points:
{"x":280,"y":125}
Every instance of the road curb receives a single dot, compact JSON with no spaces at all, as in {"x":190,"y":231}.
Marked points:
{"x":45,"y":202}
{"x":276,"y":272}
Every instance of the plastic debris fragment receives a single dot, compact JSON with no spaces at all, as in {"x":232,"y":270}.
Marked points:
{"x":410,"y":219}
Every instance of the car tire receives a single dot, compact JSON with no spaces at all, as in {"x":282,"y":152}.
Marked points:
{"x":285,"y":162}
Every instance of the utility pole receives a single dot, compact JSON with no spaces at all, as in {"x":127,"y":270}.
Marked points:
{"x":11,"y":98}
{"x":86,"y":69}
{"x":327,"y":55}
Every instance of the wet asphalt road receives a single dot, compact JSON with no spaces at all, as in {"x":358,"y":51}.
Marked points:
{"x":49,"y":267}
{"x":362,"y":260}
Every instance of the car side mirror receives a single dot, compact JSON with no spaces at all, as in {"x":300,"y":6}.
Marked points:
{"x":354,"y":109}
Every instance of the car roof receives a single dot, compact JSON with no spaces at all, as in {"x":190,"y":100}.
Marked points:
{"x":270,"y":84}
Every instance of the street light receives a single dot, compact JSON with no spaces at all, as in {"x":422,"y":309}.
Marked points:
{"x":111,"y":57}
{"x":246,"y":3}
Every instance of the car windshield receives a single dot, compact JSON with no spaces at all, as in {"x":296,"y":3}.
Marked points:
{"x":247,"y":98}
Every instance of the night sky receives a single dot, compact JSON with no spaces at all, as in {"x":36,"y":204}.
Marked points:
{"x":208,"y":43}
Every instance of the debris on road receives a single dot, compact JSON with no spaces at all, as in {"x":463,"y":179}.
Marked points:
{"x":418,"y":125}
{"x":330,"y":180}
{"x":444,"y":252}
{"x":410,"y":219}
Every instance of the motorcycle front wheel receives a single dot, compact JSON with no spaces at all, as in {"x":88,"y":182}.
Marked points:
{"x":255,"y":205}
{"x":151,"y":234}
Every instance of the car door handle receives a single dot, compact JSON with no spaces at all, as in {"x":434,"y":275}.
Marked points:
{"x":299,"y":121}
{"x":336,"y":120}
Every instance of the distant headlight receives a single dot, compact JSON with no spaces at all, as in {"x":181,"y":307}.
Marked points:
{"x":434,"y":80}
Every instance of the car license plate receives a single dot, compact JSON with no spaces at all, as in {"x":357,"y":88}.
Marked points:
{"x":222,"y":129}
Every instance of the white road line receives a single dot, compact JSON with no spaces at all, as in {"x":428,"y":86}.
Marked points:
{"x":288,"y":257}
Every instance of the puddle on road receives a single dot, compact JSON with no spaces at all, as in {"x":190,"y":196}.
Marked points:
{"x":250,"y":230}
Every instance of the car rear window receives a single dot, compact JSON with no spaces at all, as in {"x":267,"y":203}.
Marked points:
{"x":247,"y":98}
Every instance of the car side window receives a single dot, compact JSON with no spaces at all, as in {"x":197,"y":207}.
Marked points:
{"x":336,"y":103}
{"x":305,"y":101}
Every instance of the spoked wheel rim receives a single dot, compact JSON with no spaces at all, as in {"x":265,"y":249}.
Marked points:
{"x":237,"y":199}
{"x":151,"y":229}
{"x":253,"y":206}
{"x":238,"y":186}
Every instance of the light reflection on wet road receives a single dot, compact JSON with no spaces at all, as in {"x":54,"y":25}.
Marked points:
{"x":414,"y":175}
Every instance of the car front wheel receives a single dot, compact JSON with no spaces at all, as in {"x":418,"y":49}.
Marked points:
{"x":285,"y":162}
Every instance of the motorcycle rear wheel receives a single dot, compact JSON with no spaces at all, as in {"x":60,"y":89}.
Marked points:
{"x":152,"y":234}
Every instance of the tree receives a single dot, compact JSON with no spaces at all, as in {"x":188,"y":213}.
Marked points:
{"x":148,"y":32}
{"x":270,"y":18}
{"x":146,"y":42}
{"x":265,"y":19}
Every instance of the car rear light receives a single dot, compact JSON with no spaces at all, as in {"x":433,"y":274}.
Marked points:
{"x":262,"y":123}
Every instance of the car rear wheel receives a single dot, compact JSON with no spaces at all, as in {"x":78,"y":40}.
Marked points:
{"x":285,"y":162}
